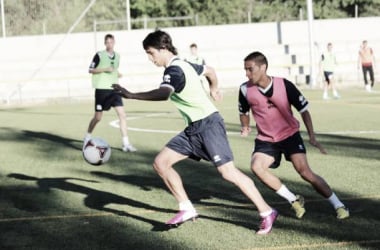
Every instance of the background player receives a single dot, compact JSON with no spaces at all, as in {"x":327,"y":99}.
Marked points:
{"x":366,"y":61}
{"x":194,"y":57}
{"x":104,"y":70}
{"x":270,"y":99}
{"x":327,"y":65}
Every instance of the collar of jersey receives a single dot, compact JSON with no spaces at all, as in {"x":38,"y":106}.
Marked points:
{"x":173,"y":59}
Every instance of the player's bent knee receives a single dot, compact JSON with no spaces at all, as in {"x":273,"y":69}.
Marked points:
{"x":159,"y":165}
{"x":230,"y":174}
{"x":258,"y":170}
{"x":307,"y":175}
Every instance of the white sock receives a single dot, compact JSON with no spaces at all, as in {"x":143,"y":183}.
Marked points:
{"x":333,"y":199}
{"x":87,"y":136}
{"x":125,"y":140}
{"x":266,"y":213}
{"x":285,"y":193}
{"x":186,"y":205}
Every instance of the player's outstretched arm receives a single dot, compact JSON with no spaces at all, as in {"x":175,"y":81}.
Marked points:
{"x":306,"y":117}
{"x":160,"y":94}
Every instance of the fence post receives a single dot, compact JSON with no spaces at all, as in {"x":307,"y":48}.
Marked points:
{"x":279,"y":33}
{"x":3,"y":18}
{"x":95,"y":43}
{"x":145,"y":22}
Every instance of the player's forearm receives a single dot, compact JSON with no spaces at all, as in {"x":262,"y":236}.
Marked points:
{"x":306,"y":117}
{"x":211,"y":77}
{"x":244,"y":121}
{"x":97,"y":71}
{"x":148,"y":96}
{"x":160,"y":94}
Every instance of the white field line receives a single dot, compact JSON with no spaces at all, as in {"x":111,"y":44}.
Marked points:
{"x":115,"y":124}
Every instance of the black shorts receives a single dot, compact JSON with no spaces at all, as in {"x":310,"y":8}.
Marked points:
{"x":205,"y":139}
{"x":106,"y":98}
{"x":328,"y":75}
{"x":291,"y":145}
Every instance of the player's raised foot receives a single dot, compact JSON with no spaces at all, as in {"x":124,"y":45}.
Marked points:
{"x":298,"y":206}
{"x":182,"y":216}
{"x":342,"y":213}
{"x":129,"y":148}
{"x":267,"y":223}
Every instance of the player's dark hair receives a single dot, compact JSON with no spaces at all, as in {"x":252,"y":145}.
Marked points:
{"x":258,"y":57}
{"x":108,"y":36}
{"x":193,"y":45}
{"x":159,"y":39}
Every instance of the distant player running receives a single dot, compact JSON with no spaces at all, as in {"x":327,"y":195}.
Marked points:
{"x":205,"y":135}
{"x":270,"y":100}
{"x":104,"y":70}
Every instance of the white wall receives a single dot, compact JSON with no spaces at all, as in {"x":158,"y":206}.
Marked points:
{"x":56,"y":66}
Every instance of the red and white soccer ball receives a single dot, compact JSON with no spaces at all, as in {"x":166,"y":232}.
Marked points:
{"x":96,"y":151}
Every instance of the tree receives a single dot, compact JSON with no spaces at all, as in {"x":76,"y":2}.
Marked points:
{"x":29,"y":17}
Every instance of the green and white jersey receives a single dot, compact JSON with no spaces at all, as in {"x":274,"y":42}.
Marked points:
{"x":196,"y":60}
{"x":328,"y":62}
{"x":103,"y":60}
{"x":188,"y":94}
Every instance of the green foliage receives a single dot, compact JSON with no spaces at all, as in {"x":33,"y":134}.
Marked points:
{"x":27,"y":17}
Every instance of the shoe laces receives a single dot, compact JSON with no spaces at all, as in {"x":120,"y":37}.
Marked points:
{"x":264,"y":222}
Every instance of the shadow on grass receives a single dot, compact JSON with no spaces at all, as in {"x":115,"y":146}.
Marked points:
{"x":204,"y":184}
{"x":350,"y":145}
{"x":95,"y":199}
{"x":335,"y":144}
{"x":11,"y":134}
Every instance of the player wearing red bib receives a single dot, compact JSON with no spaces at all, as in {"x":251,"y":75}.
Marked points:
{"x":270,"y":100}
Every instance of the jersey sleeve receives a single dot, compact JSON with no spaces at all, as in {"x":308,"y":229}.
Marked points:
{"x":95,"y":61}
{"x":174,"y":78}
{"x":295,"y":97}
{"x":243,"y":102}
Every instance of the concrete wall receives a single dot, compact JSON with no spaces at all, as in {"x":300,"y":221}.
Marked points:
{"x":55,"y":66}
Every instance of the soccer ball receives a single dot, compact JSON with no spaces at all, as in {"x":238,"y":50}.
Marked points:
{"x":96,"y":151}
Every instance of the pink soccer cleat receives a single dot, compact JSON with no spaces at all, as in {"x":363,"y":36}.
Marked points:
{"x":267,"y":223}
{"x":181,"y":217}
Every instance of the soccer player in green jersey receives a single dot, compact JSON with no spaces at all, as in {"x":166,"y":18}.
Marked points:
{"x":327,"y":64}
{"x":204,"y":136}
{"x":104,"y":70}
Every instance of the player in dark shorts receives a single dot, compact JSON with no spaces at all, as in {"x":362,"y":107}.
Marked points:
{"x":104,"y":70}
{"x":270,"y":100}
{"x":327,"y":65}
{"x":205,"y":135}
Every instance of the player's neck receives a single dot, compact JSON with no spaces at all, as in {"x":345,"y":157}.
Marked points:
{"x":265,"y":81}
{"x":110,"y":51}
{"x":169,"y":58}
